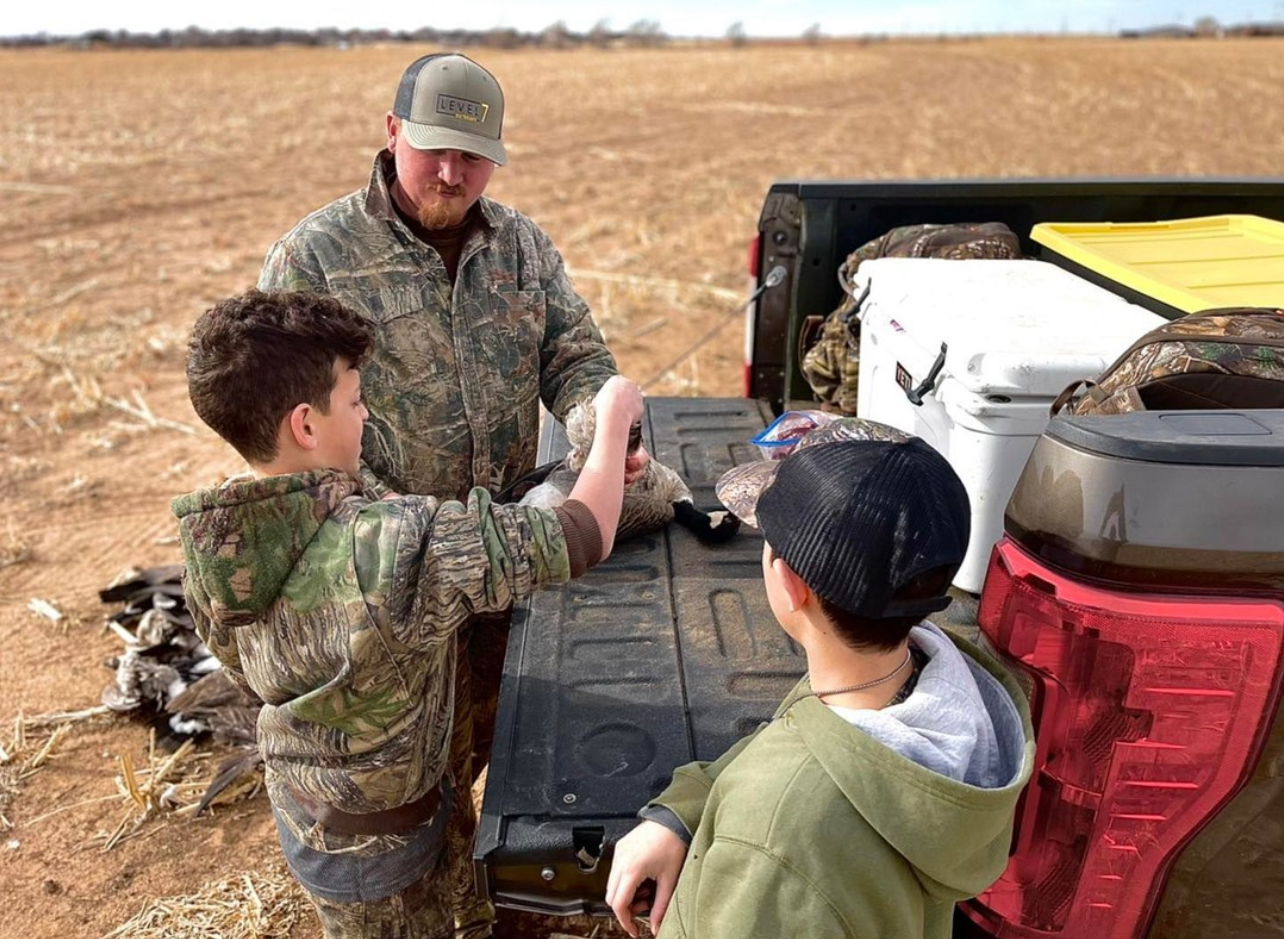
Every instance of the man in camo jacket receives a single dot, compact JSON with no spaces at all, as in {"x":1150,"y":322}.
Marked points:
{"x":476,"y":322}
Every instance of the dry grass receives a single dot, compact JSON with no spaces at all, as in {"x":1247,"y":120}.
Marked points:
{"x":250,"y":905}
{"x":647,"y":166}
{"x":148,"y":792}
{"x":29,"y":748}
{"x":31,"y":745}
{"x":169,"y":786}
{"x":14,"y":550}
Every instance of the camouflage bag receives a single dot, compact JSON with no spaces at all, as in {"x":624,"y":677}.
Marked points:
{"x":831,"y":366}
{"x":1232,"y":358}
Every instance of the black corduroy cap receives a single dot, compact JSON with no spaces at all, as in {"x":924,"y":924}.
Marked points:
{"x":858,"y":520}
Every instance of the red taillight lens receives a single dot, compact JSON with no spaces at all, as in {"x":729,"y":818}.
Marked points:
{"x":1150,"y":712}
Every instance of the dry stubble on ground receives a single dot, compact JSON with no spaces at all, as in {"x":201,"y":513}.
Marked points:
{"x":139,"y":187}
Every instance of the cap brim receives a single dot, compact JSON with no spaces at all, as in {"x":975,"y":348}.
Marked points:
{"x":852,"y":428}
{"x":739,"y":488}
{"x":432,"y":137}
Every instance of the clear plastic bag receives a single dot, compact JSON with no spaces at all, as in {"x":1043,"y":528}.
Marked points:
{"x":780,"y":437}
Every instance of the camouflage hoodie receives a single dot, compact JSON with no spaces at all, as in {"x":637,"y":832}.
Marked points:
{"x":341,"y":613}
{"x":458,"y":370}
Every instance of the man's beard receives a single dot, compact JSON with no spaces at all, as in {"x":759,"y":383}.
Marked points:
{"x":437,"y":212}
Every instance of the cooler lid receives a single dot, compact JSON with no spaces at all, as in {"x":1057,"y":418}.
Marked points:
{"x":1019,"y":328}
{"x":1205,"y":438}
{"x":1190,"y":264}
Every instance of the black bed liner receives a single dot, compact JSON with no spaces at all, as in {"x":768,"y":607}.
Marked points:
{"x":664,"y":654}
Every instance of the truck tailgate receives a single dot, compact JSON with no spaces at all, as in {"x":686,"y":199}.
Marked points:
{"x":664,"y":654}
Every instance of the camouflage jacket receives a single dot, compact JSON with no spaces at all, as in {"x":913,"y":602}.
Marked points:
{"x":341,"y":614}
{"x":457,"y":374}
{"x":1232,"y":357}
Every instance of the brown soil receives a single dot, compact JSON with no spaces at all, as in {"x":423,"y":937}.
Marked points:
{"x":140,"y":187}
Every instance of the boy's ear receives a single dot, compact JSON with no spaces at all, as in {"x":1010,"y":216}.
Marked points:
{"x":302,"y":431}
{"x":797,"y":593}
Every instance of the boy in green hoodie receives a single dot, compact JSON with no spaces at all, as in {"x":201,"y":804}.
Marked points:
{"x":340,"y":612}
{"x":884,"y":788}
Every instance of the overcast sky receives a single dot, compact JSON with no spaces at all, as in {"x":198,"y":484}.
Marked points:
{"x":676,"y":17}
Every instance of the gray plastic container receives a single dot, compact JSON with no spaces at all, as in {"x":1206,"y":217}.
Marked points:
{"x":1175,"y":500}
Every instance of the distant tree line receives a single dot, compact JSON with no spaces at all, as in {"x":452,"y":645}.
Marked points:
{"x":1206,"y":27}
{"x":641,"y":34}
{"x":644,"y":33}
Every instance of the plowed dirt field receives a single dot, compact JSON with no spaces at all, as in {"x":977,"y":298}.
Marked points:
{"x":136,"y":188}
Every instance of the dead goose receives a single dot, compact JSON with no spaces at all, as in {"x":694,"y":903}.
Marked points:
{"x":229,"y":713}
{"x":163,"y":655}
{"x":650,"y":503}
{"x":168,"y":677}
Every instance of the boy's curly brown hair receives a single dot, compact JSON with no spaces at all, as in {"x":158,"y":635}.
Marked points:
{"x":254,"y":357}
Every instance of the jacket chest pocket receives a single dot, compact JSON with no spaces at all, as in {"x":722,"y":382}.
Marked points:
{"x":413,"y":339}
{"x":512,"y":337}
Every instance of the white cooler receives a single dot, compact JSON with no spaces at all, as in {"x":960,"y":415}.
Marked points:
{"x":1015,"y":333}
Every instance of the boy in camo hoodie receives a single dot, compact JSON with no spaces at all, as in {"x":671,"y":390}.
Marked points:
{"x":340,"y":612}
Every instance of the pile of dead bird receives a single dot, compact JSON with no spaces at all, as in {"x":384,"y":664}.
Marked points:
{"x":167,"y":676}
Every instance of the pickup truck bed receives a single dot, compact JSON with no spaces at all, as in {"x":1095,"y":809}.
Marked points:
{"x":664,"y":654}
{"x":809,"y":228}
{"x":668,"y":653}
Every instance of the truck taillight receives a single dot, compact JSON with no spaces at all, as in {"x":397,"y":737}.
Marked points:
{"x":1150,"y":711}
{"x":755,"y":256}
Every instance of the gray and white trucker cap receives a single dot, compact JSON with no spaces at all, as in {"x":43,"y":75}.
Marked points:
{"x":446,"y":101}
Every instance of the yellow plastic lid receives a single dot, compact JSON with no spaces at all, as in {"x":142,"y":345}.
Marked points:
{"x":1192,"y":264}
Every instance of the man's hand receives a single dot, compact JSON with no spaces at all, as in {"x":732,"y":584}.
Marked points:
{"x":648,"y":852}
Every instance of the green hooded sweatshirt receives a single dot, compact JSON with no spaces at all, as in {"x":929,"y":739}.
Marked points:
{"x":814,"y":828}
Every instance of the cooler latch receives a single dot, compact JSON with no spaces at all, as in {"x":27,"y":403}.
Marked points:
{"x":915,"y":395}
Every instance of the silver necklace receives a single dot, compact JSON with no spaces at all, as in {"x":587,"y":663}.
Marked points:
{"x":868,"y":684}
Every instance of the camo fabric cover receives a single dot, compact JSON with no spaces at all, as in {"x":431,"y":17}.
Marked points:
{"x":739,"y":488}
{"x":342,"y":614}
{"x":457,"y":372}
{"x":1248,"y":343}
{"x":832,"y":365}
